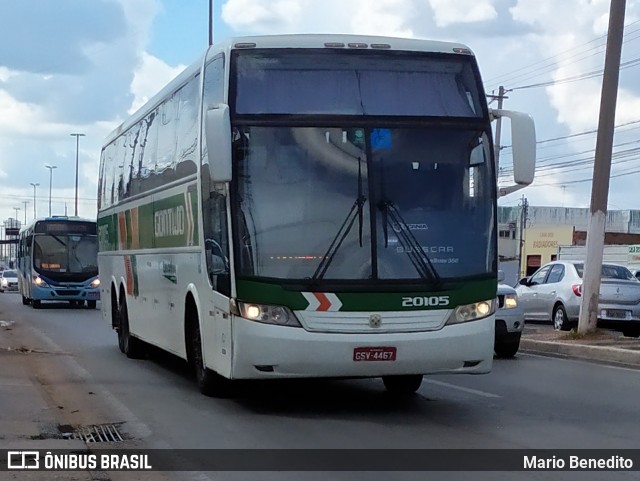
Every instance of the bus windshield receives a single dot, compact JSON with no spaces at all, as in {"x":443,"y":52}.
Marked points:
{"x":302,"y":81}
{"x":65,"y":254}
{"x":359,"y":204}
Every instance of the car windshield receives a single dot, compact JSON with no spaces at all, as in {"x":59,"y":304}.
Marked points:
{"x":609,"y":271}
{"x":11,"y":274}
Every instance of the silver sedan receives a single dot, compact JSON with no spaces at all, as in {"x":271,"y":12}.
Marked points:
{"x":554,"y":292}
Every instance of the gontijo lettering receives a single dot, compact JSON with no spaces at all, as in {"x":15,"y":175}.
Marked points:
{"x":169,"y":222}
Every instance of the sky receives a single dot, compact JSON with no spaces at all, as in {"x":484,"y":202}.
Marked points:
{"x":78,"y":66}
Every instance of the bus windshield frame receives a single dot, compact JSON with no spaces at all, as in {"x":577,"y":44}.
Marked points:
{"x":368,"y":141}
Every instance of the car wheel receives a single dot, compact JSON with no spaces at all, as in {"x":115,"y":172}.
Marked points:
{"x":560,"y":320}
{"x":91,"y":304}
{"x":402,"y":385}
{"x":507,"y":349}
{"x":36,"y":304}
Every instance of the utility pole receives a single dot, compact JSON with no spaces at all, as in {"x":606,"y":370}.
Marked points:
{"x":500,"y":97}
{"x":524,"y":211}
{"x":602,"y":170}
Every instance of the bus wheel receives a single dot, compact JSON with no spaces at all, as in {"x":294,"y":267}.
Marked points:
{"x":36,"y":304}
{"x":25,"y":301}
{"x":91,"y":304}
{"x":131,"y":346}
{"x":209,"y":382}
{"x":402,"y":385}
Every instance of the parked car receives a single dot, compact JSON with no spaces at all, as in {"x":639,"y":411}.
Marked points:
{"x":8,"y":281}
{"x":554,"y":293}
{"x":509,"y":321}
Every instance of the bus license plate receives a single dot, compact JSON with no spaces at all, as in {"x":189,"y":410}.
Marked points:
{"x":374,"y":354}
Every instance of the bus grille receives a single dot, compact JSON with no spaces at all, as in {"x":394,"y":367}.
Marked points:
{"x":67,"y":292}
{"x":360,"y":322}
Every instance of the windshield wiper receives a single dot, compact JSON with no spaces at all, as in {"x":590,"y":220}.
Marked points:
{"x":345,"y":228}
{"x":408,"y":241}
{"x":58,"y":239}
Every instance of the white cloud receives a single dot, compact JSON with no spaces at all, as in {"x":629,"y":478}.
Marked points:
{"x":383,"y":17}
{"x":577,"y":103}
{"x":263,"y":15}
{"x":380,"y":17}
{"x":449,"y":12}
{"x":151,"y":75}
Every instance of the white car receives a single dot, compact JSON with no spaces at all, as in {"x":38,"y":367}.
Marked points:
{"x":509,"y":321}
{"x":8,"y":281}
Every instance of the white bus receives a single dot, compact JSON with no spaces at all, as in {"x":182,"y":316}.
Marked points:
{"x":305,"y":206}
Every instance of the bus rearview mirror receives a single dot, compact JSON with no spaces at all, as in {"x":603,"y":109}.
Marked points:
{"x":218,"y":136}
{"x":523,"y":140}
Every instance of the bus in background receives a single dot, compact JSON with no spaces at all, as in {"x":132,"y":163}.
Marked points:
{"x":58,"y":261}
{"x":303,"y":206}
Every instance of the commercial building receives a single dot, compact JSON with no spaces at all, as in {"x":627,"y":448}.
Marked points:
{"x":526,"y":244}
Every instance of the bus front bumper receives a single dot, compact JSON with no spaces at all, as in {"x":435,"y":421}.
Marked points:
{"x":263,"y":351}
{"x":75,"y":293}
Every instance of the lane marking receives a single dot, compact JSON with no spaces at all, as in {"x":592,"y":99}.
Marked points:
{"x":468,"y":390}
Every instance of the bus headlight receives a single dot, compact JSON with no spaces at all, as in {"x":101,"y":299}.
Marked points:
{"x":472,"y":312}
{"x":95,"y":283}
{"x":37,"y":280}
{"x":278,"y":315}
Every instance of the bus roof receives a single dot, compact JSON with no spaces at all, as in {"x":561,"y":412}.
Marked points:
{"x":330,"y":41}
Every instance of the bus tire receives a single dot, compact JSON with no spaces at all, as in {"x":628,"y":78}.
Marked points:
{"x":131,"y":346}
{"x":91,"y":304}
{"x":402,"y":385}
{"x":36,"y":304}
{"x":209,"y":383}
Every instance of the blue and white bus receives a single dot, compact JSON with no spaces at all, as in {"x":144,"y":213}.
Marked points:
{"x":58,"y":261}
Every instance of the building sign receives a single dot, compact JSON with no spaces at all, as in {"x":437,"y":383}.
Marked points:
{"x":542,"y":243}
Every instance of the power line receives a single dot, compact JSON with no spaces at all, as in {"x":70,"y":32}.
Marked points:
{"x":528,"y":70}
{"x":579,"y":77}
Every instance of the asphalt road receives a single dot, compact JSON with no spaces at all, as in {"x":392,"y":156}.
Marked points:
{"x":527,"y":402}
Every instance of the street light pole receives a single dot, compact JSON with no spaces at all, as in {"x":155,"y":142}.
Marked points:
{"x":77,"y":136}
{"x":34,"y":198}
{"x":25,"y":202}
{"x":50,"y":167}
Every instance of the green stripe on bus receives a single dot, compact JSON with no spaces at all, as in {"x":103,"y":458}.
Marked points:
{"x":467,"y":293}
{"x":160,"y":224}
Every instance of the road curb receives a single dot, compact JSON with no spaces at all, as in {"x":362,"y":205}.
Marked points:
{"x":582,"y":351}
